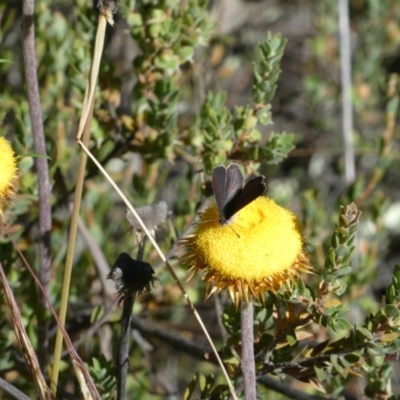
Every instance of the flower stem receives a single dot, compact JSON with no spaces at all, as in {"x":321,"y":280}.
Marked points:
{"x":248,"y":364}
{"x":126,"y":320}
{"x":123,"y":352}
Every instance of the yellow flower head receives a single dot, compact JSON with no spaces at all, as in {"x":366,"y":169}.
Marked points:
{"x":260,"y":249}
{"x":8,"y":173}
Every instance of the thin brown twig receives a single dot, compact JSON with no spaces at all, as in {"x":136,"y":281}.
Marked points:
{"x":28,"y":40}
{"x":12,"y":390}
{"x":269,"y":367}
{"x":287,"y":390}
{"x":238,"y":142}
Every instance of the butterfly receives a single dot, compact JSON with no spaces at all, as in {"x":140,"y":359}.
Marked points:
{"x":230,"y":194}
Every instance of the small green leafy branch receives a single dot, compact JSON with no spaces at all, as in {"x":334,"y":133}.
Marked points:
{"x":235,"y":134}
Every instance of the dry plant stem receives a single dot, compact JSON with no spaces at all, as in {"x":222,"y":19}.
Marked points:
{"x":84,"y":127}
{"x":13,"y":391}
{"x":70,"y":258}
{"x":170,"y":270}
{"x":123,"y":351}
{"x":94,"y":72}
{"x":42,"y":167}
{"x":248,"y":363}
{"x":347,"y":108}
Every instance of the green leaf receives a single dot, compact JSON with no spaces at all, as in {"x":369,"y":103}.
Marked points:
{"x":377,"y":361}
{"x":386,"y":371}
{"x":191,"y":387}
{"x":375,"y":350}
{"x":342,"y":324}
{"x":186,"y":53}
{"x":364,"y":333}
{"x":291,"y":338}
{"x":391,"y":293}
{"x":97,"y":313}
{"x":392,"y":311}
{"x":35,"y":155}
{"x":210,"y":379}
{"x":320,"y":373}
{"x":96,"y":363}
{"x":343,"y":271}
{"x":202,"y":382}
{"x":336,"y":365}
{"x":135,"y":19}
{"x":342,"y":251}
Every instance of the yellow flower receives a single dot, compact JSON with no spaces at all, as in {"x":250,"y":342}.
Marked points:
{"x":260,"y":249}
{"x":8,"y":173}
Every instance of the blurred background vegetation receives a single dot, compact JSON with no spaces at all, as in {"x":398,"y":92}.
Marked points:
{"x":163,"y":62}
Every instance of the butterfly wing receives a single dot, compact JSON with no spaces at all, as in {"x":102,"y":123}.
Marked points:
{"x":234,"y":182}
{"x":219,"y":186}
{"x":253,"y":189}
{"x":227,"y":182}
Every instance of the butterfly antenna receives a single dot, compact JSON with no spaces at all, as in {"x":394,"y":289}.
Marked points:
{"x":230,"y":226}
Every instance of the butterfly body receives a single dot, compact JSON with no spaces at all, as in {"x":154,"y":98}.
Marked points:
{"x":230,"y":194}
